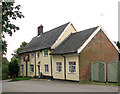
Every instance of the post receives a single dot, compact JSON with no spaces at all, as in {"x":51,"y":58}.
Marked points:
{"x":26,"y":70}
{"x":106,"y":72}
{"x":26,"y":58}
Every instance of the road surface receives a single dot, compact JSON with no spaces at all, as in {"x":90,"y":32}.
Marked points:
{"x":44,"y":85}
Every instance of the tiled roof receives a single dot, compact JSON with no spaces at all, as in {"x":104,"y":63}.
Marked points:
{"x":45,"y":40}
{"x":73,"y":42}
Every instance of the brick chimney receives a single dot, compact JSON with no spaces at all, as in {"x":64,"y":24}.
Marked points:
{"x":40,"y":29}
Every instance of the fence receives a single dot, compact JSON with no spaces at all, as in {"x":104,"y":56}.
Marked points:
{"x":104,"y":72}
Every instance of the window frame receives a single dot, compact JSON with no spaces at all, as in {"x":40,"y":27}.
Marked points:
{"x":22,"y":68}
{"x":58,"y":67}
{"x":46,"y":51}
{"x":38,"y":54}
{"x":32,"y":70}
{"x":32,"y":55}
{"x":72,"y":67}
{"x":46,"y":69}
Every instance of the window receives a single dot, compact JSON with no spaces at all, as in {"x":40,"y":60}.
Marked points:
{"x":58,"y":66}
{"x":31,"y":55}
{"x":38,"y":55}
{"x":31,"y":68}
{"x":46,"y":68}
{"x":72,"y":67}
{"x":45,"y":52}
{"x":22,"y":68}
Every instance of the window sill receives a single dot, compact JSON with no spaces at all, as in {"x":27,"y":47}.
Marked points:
{"x":58,"y":72}
{"x":31,"y":72}
{"x":71,"y":72}
{"x":46,"y":72}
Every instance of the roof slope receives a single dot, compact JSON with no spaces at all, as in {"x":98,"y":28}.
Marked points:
{"x":45,"y":40}
{"x":73,"y":42}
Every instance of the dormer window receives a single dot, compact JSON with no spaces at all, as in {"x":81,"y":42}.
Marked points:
{"x":45,"y":52}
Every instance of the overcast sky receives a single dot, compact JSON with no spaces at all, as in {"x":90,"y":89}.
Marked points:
{"x":83,"y":14}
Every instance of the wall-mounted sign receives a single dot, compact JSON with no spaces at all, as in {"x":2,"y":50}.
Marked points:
{"x":26,"y":57}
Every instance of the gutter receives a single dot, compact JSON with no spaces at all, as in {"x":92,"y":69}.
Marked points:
{"x":63,"y":53}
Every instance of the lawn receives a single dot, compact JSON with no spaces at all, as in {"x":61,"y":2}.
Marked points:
{"x":22,"y":78}
{"x":100,"y":83}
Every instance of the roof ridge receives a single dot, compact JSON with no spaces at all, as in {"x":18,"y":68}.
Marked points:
{"x":87,"y":29}
{"x":55,"y":28}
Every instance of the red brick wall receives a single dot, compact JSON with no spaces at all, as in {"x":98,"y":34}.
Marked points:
{"x":98,"y":49}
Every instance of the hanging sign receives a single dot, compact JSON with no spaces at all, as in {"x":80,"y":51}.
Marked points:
{"x":26,"y":57}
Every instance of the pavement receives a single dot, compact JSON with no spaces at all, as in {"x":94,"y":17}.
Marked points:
{"x":45,"y":85}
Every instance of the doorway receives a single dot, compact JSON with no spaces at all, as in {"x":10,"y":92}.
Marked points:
{"x":38,"y":70}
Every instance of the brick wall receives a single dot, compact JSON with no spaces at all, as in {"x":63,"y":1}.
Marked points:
{"x":98,"y":49}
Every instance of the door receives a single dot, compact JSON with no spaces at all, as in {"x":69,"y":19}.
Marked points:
{"x":38,"y":70}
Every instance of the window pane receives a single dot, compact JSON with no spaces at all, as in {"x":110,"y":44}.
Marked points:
{"x":45,"y":52}
{"x":72,"y":67}
{"x":58,"y":66}
{"x":22,"y":67}
{"x":31,"y":55}
{"x":31,"y":68}
{"x":46,"y":68}
{"x":38,"y":54}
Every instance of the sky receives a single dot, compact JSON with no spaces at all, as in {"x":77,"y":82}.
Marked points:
{"x":83,"y":14}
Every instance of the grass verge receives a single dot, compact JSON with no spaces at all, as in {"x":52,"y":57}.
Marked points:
{"x":100,"y":83}
{"x":20,"y":79}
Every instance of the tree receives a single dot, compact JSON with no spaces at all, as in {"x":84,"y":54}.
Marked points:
{"x":16,"y":52}
{"x":13,"y":68}
{"x":9,"y":12}
{"x":13,"y":65}
{"x":5,"y":71}
{"x":118,"y":44}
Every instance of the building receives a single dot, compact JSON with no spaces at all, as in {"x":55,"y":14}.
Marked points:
{"x":63,"y":53}
{"x":39,"y":49}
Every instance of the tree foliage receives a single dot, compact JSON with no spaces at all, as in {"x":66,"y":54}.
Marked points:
{"x":118,"y":44}
{"x":5,"y":71}
{"x":9,"y":12}
{"x":13,"y":68}
{"x":16,"y":52}
{"x":13,"y":65}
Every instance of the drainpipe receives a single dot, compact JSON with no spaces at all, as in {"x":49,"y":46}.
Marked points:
{"x":35,"y":64}
{"x":79,"y":66}
{"x":51,"y":66}
{"x":64,"y":66}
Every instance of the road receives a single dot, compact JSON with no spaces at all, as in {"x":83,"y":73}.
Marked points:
{"x":53,"y":86}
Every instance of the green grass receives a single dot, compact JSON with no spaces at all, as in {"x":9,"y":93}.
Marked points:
{"x":100,"y":83}
{"x":19,"y":79}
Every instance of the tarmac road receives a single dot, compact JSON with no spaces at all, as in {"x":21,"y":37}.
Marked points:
{"x":44,"y":85}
